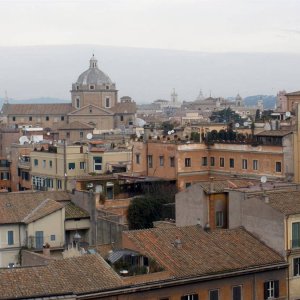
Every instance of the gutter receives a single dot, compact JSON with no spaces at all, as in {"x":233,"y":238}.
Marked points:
{"x":177,"y":282}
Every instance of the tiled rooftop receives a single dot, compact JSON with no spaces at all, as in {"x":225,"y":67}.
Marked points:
{"x":74,"y":212}
{"x":220,"y":185}
{"x":287,"y":202}
{"x":88,"y":273}
{"x":25,"y":207}
{"x":34,"y":109}
{"x":202,"y":253}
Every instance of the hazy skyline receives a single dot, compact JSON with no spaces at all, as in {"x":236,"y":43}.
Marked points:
{"x":149,"y":47}
{"x":196,"y":25}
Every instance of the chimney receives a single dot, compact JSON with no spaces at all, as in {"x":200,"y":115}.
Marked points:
{"x":207,"y":227}
{"x":178,"y":243}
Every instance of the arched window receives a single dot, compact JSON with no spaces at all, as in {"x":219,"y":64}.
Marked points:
{"x":77,"y":103}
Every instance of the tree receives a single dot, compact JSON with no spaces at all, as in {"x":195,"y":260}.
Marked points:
{"x":226,"y":115}
{"x":143,"y":211}
{"x":167,"y":126}
{"x":153,"y":206}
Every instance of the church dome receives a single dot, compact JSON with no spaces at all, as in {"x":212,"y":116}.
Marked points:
{"x":93,"y":75}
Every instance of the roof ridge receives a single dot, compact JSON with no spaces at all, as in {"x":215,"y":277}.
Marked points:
{"x":41,"y":205}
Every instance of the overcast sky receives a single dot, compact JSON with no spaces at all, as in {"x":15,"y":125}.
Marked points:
{"x":198,"y":25}
{"x":226,"y":46}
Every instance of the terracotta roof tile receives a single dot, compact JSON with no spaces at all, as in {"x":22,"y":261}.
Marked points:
{"x":287,"y":203}
{"x":87,"y":273}
{"x":28,"y":206}
{"x":34,"y":109}
{"x":74,"y":212}
{"x":202,"y":253}
{"x":220,"y":185}
{"x":279,"y":133}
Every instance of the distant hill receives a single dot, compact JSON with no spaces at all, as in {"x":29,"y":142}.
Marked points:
{"x":269,"y":101}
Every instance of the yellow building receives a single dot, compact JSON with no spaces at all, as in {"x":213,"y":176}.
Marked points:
{"x":28,"y":220}
{"x":57,"y":167}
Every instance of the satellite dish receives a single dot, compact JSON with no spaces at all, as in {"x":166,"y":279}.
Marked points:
{"x":263,"y":179}
{"x":172,"y":131}
{"x":237,"y":125}
{"x":89,"y":136}
{"x":169,"y":132}
{"x":246,"y":124}
{"x":288,"y":114}
{"x":23,"y":139}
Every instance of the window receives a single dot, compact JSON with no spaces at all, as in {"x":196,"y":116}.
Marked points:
{"x":81,"y":134}
{"x":271,"y":289}
{"x":187,"y":184}
{"x":296,"y":266}
{"x":137,"y":158}
{"x":4,"y":175}
{"x":14,"y":118}
{"x":212,"y":161}
{"x":255,"y":164}
{"x":47,"y":118}
{"x":71,"y":166}
{"x":214,"y":295}
{"x":44,"y":163}
{"x":187,"y":162}
{"x":237,"y":292}
{"x":52,"y":237}
{"x":107,"y":87}
{"x":98,"y":163}
{"x":50,"y":163}
{"x":10,"y":237}
{"x":121,"y":118}
{"x":92,"y":87}
{"x":161,"y":161}
{"x":278,"y":166}
{"x":36,"y":162}
{"x":62,"y":118}
{"x":68,"y":134}
{"x":244,"y":164}
{"x":172,"y":161}
{"x":296,"y":235}
{"x":77,"y":87}
{"x":150,"y":161}
{"x":219,"y":219}
{"x":190,"y":297}
{"x":204,"y":161}
{"x":78,"y":102}
{"x":222,"y":162}
{"x":59,"y":185}
{"x":107,"y":102}
{"x":30,"y":118}
{"x":82,"y":165}
{"x":231,"y":163}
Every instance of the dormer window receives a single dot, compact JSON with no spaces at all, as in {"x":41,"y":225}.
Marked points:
{"x":107,"y":87}
{"x":92,"y":87}
{"x":77,"y":87}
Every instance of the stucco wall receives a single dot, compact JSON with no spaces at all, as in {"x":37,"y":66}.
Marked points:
{"x":258,"y":218}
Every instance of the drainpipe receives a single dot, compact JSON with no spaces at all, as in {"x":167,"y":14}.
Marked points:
{"x":287,"y":255}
